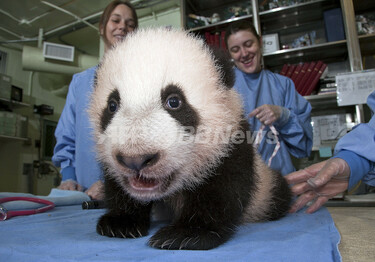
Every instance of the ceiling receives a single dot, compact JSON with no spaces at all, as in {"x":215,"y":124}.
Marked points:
{"x":71,"y":22}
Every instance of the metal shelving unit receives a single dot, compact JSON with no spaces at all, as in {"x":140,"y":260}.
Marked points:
{"x":14,"y":104}
{"x":14,"y":138}
{"x":329,"y":52}
{"x":292,"y":20}
{"x":221,"y":24}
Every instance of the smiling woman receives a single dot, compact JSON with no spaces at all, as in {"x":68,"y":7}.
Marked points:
{"x":269,"y":99}
{"x":118,"y":19}
{"x":245,"y":49}
{"x":74,"y":150}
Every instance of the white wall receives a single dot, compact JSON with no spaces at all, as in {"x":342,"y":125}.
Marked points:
{"x":13,"y":154}
{"x":171,"y":17}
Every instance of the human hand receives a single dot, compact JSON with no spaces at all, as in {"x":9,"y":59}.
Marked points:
{"x":267,"y":114}
{"x":70,"y":185}
{"x":318,"y":183}
{"x":96,"y":191}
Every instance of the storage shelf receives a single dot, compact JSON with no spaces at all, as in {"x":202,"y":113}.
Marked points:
{"x":14,"y":103}
{"x":363,"y":5}
{"x":14,"y":138}
{"x":292,"y":17}
{"x":297,"y":8}
{"x":219,"y":25}
{"x":325,"y":51}
{"x":367,"y":43}
{"x":326,"y":97}
{"x":322,"y":101}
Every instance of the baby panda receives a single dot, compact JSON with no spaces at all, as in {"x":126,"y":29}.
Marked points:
{"x":169,"y":128}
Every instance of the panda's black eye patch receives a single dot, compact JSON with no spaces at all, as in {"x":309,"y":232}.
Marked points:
{"x":173,"y":102}
{"x":113,"y":104}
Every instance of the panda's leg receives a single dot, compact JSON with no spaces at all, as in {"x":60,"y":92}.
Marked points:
{"x":207,"y":220}
{"x":126,"y":217}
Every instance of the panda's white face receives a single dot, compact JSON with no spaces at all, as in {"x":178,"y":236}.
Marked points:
{"x":162,"y":116}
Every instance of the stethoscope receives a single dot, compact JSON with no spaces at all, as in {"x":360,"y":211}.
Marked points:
{"x":6,"y":214}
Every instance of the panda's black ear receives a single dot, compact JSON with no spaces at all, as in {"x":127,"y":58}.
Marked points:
{"x":224,"y":66}
{"x":96,"y":74}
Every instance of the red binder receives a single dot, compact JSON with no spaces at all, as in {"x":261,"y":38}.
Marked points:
{"x":302,"y":84}
{"x":301,"y":74}
{"x":284,"y":69}
{"x":314,"y":79}
{"x":222,"y":42}
{"x":207,"y":36}
{"x":290,"y":71}
{"x":296,"y":73}
{"x":217,"y":40}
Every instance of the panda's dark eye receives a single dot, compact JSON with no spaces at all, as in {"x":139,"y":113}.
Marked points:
{"x":173,"y":102}
{"x":112,"y":106}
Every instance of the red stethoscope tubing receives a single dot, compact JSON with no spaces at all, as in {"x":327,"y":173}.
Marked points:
{"x":49,"y":205}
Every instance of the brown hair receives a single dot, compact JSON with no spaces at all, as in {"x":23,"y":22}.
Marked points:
{"x":108,"y":10}
{"x":239,"y":26}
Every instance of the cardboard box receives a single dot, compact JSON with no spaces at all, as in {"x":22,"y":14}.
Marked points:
{"x":270,"y":43}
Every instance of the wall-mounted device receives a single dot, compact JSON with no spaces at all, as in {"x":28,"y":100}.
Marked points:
{"x":58,"y":52}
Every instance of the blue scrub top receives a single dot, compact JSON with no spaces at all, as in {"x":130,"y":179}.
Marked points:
{"x":75,"y":150}
{"x":294,"y":126}
{"x":357,"y":148}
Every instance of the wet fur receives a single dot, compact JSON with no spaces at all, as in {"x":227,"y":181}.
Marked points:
{"x":213,"y":187}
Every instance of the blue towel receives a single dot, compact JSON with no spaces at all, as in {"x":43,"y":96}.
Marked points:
{"x":57,"y":196}
{"x":67,"y":233}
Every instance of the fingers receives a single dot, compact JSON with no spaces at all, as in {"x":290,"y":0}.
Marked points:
{"x":79,"y":187}
{"x":96,"y":191}
{"x":318,"y":203}
{"x":67,"y":185}
{"x":298,"y":177}
{"x":254,"y":112}
{"x":300,"y":188}
{"x":333,"y":168}
{"x":70,"y":185}
{"x":302,"y":201}
{"x":95,"y":194}
{"x":305,"y":174}
{"x":316,"y":200}
{"x":266,"y":114}
{"x":318,"y":183}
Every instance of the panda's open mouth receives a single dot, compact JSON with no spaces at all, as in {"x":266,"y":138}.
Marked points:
{"x":142,"y":183}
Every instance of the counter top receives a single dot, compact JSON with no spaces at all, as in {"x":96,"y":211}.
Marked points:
{"x":357,"y":229}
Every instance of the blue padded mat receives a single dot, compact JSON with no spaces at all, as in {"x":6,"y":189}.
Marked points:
{"x":67,"y":233}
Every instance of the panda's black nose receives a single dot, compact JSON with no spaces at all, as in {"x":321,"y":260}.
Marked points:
{"x":137,"y":162}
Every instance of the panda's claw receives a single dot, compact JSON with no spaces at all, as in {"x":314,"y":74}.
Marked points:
{"x":121,"y":227}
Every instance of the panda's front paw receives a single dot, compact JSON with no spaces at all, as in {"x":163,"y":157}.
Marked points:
{"x":121,"y":226}
{"x":174,"y":237}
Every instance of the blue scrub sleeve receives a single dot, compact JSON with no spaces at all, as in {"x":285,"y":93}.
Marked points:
{"x":357,"y":149}
{"x":64,"y":151}
{"x":294,"y":125}
{"x":359,"y":166}
{"x":284,"y":117}
{"x":68,"y":173}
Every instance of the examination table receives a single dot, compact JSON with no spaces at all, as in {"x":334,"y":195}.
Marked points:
{"x":67,"y":233}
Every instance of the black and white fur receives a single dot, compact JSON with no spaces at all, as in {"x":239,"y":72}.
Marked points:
{"x":166,"y":123}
